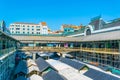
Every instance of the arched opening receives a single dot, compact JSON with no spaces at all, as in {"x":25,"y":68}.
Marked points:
{"x":88,"y":32}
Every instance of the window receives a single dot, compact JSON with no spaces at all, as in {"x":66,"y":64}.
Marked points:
{"x":44,"y":28}
{"x":38,"y":29}
{"x":17,"y":28}
{"x":28,"y":32}
{"x":23,"y":28}
{"x":37,"y":26}
{"x":23,"y":32}
{"x":12,"y":28}
{"x":32,"y":32}
{"x":17,"y":32}
{"x":17,"y":25}
{"x":23,"y":25}
{"x":88,"y":32}
{"x":65,"y":30}
{"x":32,"y":29}
{"x":12,"y":25}
{"x":38,"y":32}
{"x":28,"y":29}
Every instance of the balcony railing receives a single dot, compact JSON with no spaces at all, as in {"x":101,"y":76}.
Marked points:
{"x":101,"y":49}
{"x":6,"y":51}
{"x":97,"y":50}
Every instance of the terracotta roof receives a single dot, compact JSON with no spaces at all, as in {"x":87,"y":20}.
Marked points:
{"x":71,"y":26}
{"x":43,"y":24}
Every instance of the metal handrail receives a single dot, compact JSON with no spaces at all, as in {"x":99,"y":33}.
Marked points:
{"x":75,"y":48}
{"x":102,"y":49}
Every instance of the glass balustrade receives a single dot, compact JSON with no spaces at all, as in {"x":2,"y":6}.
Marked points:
{"x":6,"y":51}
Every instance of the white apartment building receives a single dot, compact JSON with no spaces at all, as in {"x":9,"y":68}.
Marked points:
{"x":28,"y":28}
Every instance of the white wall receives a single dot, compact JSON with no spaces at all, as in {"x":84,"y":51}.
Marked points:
{"x":37,"y":30}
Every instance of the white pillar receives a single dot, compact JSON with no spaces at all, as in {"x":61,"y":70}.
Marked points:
{"x":34,"y":56}
{"x":59,"y":45}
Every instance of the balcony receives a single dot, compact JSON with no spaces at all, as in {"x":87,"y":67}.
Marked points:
{"x":6,"y":51}
{"x":68,"y":49}
{"x":101,"y":50}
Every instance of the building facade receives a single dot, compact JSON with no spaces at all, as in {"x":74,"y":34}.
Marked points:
{"x":3,"y":27}
{"x":98,"y":43}
{"x":101,"y":50}
{"x":98,"y":25}
{"x":69,"y":28}
{"x":8,"y":47}
{"x":28,"y":28}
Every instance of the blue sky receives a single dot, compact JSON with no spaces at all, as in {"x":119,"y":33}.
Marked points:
{"x":58,"y":12}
